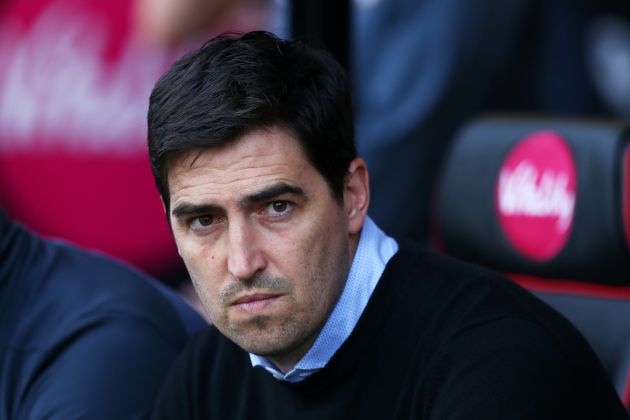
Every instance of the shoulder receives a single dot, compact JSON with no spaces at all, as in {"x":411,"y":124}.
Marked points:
{"x":52,"y":291}
{"x":450,"y":300}
{"x":525,"y":369}
{"x":88,"y":336}
{"x":209,"y":352}
{"x":492,"y":340}
{"x":209,"y":376}
{"x":464,"y":289}
{"x":85,"y":285}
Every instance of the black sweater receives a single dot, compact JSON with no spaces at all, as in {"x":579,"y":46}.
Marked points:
{"x":439,"y":339}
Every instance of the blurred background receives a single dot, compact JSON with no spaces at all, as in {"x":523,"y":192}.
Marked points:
{"x":75,"y":77}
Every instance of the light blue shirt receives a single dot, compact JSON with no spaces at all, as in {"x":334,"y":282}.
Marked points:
{"x":373,"y":252}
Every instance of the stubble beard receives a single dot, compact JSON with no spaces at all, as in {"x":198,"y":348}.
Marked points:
{"x":298,"y":331}
{"x":277,"y":337}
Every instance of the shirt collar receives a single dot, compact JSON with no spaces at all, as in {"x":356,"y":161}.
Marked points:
{"x":373,"y":252}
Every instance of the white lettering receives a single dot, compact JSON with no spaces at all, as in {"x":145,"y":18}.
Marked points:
{"x":524,"y":192}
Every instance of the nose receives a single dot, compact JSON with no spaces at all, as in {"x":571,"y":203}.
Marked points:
{"x":245,"y":258}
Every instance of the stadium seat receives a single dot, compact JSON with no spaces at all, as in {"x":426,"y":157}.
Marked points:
{"x":547,"y":202}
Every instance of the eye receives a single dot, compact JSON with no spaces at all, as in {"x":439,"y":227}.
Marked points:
{"x":203,"y":222}
{"x":279,"y":208}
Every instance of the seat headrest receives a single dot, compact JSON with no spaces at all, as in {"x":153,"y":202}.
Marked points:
{"x":539,"y":196}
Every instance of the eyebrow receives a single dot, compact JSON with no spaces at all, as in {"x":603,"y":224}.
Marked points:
{"x":273,"y":191}
{"x":186,"y":209}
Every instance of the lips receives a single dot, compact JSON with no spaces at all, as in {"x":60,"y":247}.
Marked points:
{"x":255,"y":302}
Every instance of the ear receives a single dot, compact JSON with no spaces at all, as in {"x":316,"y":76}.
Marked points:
{"x":356,"y":196}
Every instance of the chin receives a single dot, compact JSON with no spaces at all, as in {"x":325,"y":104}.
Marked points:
{"x":261,"y":348}
{"x":267,"y":343}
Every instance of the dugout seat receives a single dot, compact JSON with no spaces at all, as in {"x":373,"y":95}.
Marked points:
{"x":547,"y":202}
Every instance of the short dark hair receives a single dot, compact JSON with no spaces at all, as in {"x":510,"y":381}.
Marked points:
{"x":237,"y":83}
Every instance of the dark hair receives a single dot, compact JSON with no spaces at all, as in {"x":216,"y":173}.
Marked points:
{"x":235,"y":84}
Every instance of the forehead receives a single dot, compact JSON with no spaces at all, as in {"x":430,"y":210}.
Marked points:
{"x":241,"y":167}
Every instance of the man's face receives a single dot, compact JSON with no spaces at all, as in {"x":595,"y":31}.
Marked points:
{"x":267,"y":246}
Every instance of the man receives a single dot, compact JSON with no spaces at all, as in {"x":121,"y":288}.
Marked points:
{"x":317,"y":313}
{"x":81,"y":337}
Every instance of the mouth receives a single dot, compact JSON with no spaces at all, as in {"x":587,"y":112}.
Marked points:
{"x":255,"y":302}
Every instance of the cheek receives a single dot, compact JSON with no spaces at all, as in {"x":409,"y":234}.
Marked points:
{"x":207,"y":288}
{"x":322,"y":260}
{"x":204,"y":274}
{"x":192,"y":260}
{"x":197,"y":256}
